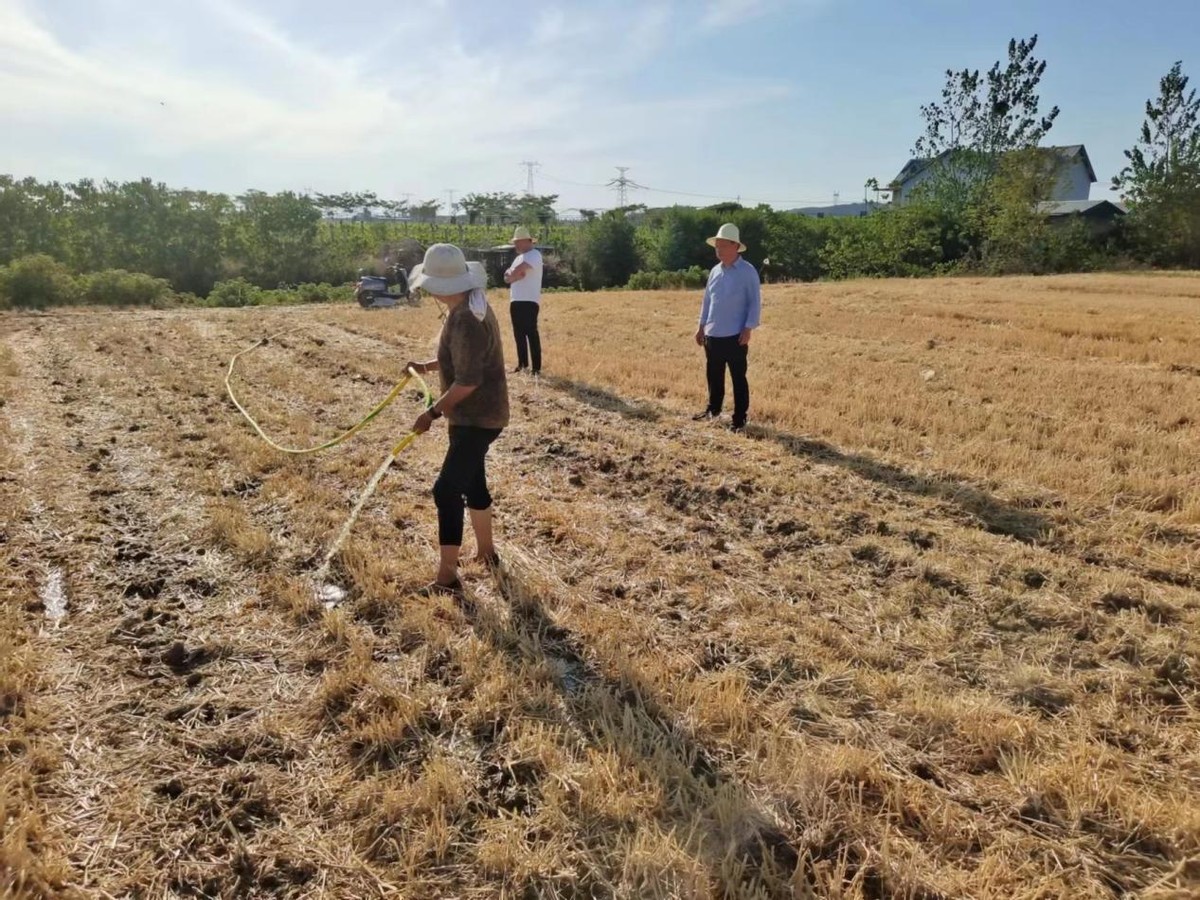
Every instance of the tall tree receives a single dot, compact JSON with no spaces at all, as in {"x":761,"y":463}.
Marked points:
{"x":393,"y":209}
{"x":425,"y":212}
{"x":499,"y":208}
{"x":1162,"y":178}
{"x":536,"y":209}
{"x":328,"y":204}
{"x":473,"y":205}
{"x":980,"y":119}
{"x":1170,"y":138}
{"x":31,"y":217}
{"x":989,"y":114}
{"x":277,"y":237}
{"x":367,"y":202}
{"x":607,"y":254}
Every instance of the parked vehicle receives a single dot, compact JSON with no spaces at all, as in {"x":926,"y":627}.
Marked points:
{"x":376,"y":291}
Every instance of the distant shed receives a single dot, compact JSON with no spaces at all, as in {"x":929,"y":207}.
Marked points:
{"x":1101,"y":216}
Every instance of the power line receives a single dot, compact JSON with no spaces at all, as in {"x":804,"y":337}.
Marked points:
{"x":655,"y":190}
{"x":575,"y":183}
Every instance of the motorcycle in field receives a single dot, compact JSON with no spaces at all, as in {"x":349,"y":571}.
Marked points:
{"x":375,"y":291}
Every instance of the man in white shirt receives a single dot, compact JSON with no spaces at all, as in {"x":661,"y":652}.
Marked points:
{"x":524,"y":278}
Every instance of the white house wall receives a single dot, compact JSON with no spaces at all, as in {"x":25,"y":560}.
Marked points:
{"x":1073,"y":183}
{"x":909,"y":187}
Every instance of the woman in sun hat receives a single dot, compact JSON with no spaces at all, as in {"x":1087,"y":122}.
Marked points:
{"x":474,"y":400}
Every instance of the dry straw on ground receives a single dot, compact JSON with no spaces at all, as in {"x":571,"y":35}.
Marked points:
{"x":928,"y":630}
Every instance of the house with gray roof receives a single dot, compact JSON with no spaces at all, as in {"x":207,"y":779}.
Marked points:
{"x":1074,"y":182}
{"x":1100,"y":216}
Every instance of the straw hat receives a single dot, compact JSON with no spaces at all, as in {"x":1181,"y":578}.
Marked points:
{"x":521,"y":233}
{"x":446,"y":271}
{"x":727,"y":232}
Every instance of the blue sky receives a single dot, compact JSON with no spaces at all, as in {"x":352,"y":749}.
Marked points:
{"x":782,"y":101}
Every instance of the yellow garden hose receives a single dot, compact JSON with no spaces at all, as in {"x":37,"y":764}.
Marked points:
{"x":328,"y":594}
{"x":344,"y":436}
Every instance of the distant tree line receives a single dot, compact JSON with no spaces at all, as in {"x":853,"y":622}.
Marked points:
{"x":196,"y":240}
{"x":143,"y":242}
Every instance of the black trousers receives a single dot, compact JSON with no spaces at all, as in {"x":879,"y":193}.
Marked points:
{"x":722,"y":353}
{"x":529,"y":344}
{"x":462,"y":476}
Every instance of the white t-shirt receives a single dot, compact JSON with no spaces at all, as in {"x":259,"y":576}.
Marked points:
{"x":530,"y":287}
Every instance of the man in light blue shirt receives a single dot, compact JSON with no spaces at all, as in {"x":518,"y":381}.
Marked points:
{"x":730,"y":311}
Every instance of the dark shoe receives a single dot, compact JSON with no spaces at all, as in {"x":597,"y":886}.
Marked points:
{"x":536,"y":373}
{"x":737,"y":427}
{"x":435,"y":588}
{"x":518,"y":369}
{"x":707,"y":416}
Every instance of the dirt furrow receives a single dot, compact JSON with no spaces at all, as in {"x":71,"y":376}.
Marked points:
{"x":176,"y":769}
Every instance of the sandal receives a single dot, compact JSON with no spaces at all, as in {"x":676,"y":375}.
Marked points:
{"x":491,"y":561}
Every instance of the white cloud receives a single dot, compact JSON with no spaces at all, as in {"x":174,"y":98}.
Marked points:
{"x":724,"y":13}
{"x":264,"y":33}
{"x":224,"y":96}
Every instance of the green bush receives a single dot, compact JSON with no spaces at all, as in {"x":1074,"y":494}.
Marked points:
{"x":116,"y":287}
{"x":676,"y":238}
{"x":1165,"y":228}
{"x":693,"y":277}
{"x":894,"y":243}
{"x":236,"y":292}
{"x":1074,"y":247}
{"x":239,"y":292}
{"x":794,"y":245}
{"x":646,"y":281}
{"x":36,"y":282}
{"x":607,"y":254}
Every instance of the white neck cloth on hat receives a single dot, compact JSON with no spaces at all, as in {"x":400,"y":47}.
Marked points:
{"x":477,"y":301}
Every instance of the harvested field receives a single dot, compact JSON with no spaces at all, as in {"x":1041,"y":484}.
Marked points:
{"x":930,"y":629}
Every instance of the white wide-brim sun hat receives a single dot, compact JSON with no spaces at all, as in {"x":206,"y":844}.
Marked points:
{"x":727,"y":232}
{"x":445,"y":271}
{"x":521,"y":233}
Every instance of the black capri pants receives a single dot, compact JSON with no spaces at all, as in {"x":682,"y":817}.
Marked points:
{"x":462,"y":477}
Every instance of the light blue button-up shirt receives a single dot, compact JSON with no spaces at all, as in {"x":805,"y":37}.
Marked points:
{"x":732,"y":300}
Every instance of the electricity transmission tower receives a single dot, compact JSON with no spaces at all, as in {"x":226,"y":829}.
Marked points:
{"x":622,"y":184}
{"x":529,"y":167}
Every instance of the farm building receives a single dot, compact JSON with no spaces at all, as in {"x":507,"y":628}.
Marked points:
{"x":1101,"y":216}
{"x":1075,"y":176}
